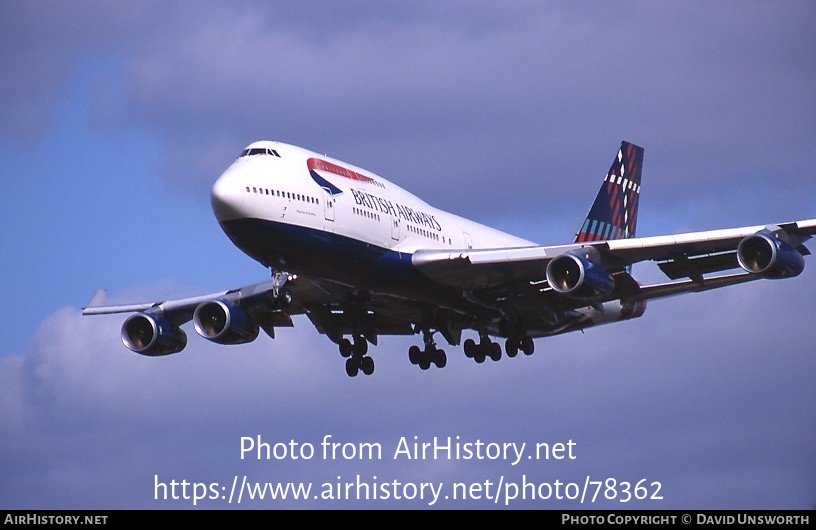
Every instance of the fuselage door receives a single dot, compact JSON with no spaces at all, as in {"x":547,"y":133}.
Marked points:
{"x":395,"y":228}
{"x":328,"y":205}
{"x":468,"y":240}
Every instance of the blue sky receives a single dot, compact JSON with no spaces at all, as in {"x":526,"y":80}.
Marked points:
{"x":116,"y":120}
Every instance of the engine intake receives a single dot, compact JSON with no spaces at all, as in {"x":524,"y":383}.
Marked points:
{"x":764,"y":254}
{"x":151,"y":335}
{"x":574,"y":274}
{"x":224,"y":323}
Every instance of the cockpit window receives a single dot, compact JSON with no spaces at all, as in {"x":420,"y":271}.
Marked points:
{"x":255,"y":151}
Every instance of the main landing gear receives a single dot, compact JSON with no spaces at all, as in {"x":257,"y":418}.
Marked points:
{"x":513,"y":344}
{"x":487,"y":348}
{"x":430,"y":355}
{"x":355,"y":355}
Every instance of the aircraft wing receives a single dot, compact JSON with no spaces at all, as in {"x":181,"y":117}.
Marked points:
{"x":235,"y":316}
{"x":489,"y":279}
{"x":256,"y":298}
{"x":692,"y":255}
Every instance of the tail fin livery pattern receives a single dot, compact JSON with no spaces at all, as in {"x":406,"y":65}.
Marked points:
{"x":614,"y":213}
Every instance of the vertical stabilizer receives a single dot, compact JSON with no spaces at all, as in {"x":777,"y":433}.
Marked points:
{"x":614,"y":213}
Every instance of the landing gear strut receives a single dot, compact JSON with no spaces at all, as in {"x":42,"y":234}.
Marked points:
{"x":355,"y":355}
{"x":430,"y":355}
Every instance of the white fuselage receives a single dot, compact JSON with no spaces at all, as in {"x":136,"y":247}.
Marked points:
{"x":276,"y":184}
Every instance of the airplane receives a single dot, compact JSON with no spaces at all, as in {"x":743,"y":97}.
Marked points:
{"x":361,"y":258}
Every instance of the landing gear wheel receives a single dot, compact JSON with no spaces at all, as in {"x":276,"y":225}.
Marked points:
{"x":495,"y":351}
{"x":440,"y":359}
{"x":367,"y":365}
{"x":511,"y":347}
{"x":470,"y":348}
{"x":352,"y":366}
{"x":345,"y":348}
{"x":527,"y":345}
{"x":414,"y":354}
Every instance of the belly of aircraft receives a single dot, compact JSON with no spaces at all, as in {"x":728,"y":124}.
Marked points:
{"x":320,"y":254}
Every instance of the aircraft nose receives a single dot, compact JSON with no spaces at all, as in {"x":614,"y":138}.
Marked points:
{"x":227,"y":196}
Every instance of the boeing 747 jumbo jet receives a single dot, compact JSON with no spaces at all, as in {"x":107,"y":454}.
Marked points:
{"x":362,"y":258}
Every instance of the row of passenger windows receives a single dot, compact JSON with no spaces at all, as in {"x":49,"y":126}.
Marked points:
{"x":427,"y":233}
{"x":284,"y":194}
{"x":367,"y":213}
{"x":359,"y":211}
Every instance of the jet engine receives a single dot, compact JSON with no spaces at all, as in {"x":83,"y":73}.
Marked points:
{"x":224,"y":323}
{"x":576,"y":274}
{"x":151,"y":335}
{"x":764,"y":254}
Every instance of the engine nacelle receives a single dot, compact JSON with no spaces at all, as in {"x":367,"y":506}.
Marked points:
{"x":574,"y":274}
{"x":768,"y":256}
{"x":151,"y":335}
{"x":224,"y":323}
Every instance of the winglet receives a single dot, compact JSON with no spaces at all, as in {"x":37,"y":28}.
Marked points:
{"x":614,"y":213}
{"x":98,"y":299}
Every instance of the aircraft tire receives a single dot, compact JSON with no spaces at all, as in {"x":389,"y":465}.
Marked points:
{"x":440,"y":359}
{"x":527,"y":345}
{"x":495,"y":352}
{"x":352,"y":367}
{"x":470,"y":348}
{"x":367,"y":365}
{"x":345,"y":348}
{"x":511,"y":347}
{"x":414,"y":354}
